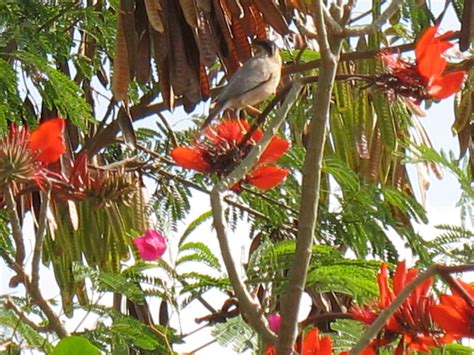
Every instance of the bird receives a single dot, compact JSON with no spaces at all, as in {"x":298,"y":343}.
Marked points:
{"x":252,"y":83}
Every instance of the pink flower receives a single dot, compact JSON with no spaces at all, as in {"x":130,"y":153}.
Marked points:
{"x":151,"y":245}
{"x":274,"y":322}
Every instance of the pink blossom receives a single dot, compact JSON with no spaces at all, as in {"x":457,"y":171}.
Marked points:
{"x":151,"y":245}
{"x":274,"y":322}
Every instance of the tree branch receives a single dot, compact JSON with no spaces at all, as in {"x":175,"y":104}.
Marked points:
{"x":330,"y":48}
{"x":249,"y":308}
{"x":16,"y":225}
{"x":13,"y":307}
{"x":314,"y":64}
{"x":35,"y":264}
{"x":375,"y":24}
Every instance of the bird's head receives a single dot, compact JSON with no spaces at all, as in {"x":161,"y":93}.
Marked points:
{"x":267,"y":47}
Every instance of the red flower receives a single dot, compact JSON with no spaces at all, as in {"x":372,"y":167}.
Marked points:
{"x":454,"y":314}
{"x":431,"y":64}
{"x":24,"y":155}
{"x":191,"y":158}
{"x":411,"y":323}
{"x":313,"y":345}
{"x":426,"y":78}
{"x":220,"y":152}
{"x":270,"y":350}
{"x":47,"y":140}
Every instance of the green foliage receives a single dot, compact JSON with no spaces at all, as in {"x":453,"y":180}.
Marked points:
{"x":130,"y":332}
{"x":347,"y":334}
{"x":200,"y":252}
{"x":354,"y":277}
{"x":10,"y":103}
{"x":454,"y":244}
{"x":193,"y":225}
{"x":74,"y":345}
{"x":15,"y":328}
{"x":235,"y":333}
{"x":418,"y":16}
{"x":453,"y":349}
{"x":57,"y":90}
{"x":460,"y":170}
{"x":328,"y":271}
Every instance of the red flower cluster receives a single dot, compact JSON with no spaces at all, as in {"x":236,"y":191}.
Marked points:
{"x":426,"y":79}
{"x":412,"y":322}
{"x":220,"y":152}
{"x":454,"y":313}
{"x":312,"y":344}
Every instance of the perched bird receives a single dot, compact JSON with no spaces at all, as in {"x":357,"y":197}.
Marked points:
{"x":252,"y":83}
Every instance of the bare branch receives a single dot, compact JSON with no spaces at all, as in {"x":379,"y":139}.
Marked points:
{"x":13,"y":307}
{"x":16,"y":225}
{"x":37,"y":298}
{"x":249,"y":307}
{"x":171,"y":133}
{"x":35,"y":264}
{"x":322,"y":34}
{"x":314,"y":64}
{"x":333,"y":26}
{"x":376,"y":24}
{"x":330,"y":49}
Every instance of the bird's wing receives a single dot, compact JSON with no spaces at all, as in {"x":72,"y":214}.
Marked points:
{"x":252,"y":74}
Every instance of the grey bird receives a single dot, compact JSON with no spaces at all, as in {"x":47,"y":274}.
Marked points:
{"x":252,"y":83}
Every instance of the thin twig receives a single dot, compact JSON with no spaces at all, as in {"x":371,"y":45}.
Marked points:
{"x":36,"y":261}
{"x":249,"y":307}
{"x":16,"y":225}
{"x":376,"y":23}
{"x":171,"y":133}
{"x":9,"y":304}
{"x":314,"y":64}
{"x":156,"y":170}
{"x":227,"y":199}
{"x":163,"y":335}
{"x":364,"y":14}
{"x":37,"y":298}
{"x":210,"y":342}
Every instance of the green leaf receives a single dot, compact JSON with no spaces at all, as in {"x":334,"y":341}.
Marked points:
{"x":202,"y":254}
{"x":194,"y":224}
{"x":385,"y":121}
{"x":74,"y":345}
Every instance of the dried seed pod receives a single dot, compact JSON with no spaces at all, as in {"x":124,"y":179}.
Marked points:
{"x":121,"y":74}
{"x":273,"y":16}
{"x":189,"y":11}
{"x":153,"y":8}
